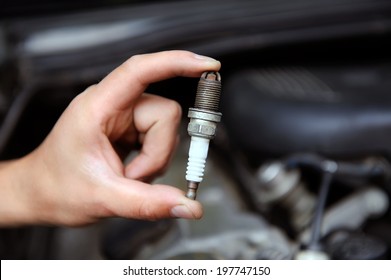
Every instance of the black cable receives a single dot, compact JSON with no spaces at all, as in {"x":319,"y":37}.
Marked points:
{"x":318,"y":216}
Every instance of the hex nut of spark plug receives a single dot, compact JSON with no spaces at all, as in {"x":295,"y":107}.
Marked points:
{"x":196,"y":128}
{"x":203,"y":123}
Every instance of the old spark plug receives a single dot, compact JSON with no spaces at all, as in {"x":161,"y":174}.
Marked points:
{"x":202,"y":128}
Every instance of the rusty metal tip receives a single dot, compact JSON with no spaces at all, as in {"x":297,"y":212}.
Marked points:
{"x":192,"y":190}
{"x":191,"y":194}
{"x":212,"y":76}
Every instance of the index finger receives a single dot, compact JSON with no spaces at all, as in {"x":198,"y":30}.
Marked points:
{"x":129,"y":80}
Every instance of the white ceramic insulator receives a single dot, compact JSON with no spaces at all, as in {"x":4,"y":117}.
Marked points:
{"x":197,"y":158}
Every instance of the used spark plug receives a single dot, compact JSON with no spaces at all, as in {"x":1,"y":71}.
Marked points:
{"x":202,"y":128}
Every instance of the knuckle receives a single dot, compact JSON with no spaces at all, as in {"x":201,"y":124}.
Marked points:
{"x":129,"y":65}
{"x":90,"y":88}
{"x":161,"y":164}
{"x":173,"y":110}
{"x":133,"y":59}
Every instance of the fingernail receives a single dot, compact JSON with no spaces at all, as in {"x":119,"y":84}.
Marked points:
{"x":205,"y":58}
{"x":181,"y":211}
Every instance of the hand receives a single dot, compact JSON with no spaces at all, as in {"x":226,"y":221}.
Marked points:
{"x":76,"y":177}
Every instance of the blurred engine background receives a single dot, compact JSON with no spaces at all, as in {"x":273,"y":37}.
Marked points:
{"x":305,"y":83}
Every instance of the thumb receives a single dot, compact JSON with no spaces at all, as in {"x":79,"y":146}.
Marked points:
{"x":134,"y":199}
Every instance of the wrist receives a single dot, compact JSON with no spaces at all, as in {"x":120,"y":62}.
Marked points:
{"x":16,"y":193}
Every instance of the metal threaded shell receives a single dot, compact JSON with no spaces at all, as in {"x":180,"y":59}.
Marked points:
{"x":208,"y":92}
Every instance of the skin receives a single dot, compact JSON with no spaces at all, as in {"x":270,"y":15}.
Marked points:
{"x":76,"y":177}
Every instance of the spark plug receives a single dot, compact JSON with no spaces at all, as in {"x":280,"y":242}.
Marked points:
{"x":202,"y":128}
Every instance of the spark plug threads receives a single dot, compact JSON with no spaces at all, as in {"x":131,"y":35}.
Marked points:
{"x":202,"y":128}
{"x":208,"y":92}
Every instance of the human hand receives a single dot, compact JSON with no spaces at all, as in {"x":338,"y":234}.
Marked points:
{"x":75,"y":176}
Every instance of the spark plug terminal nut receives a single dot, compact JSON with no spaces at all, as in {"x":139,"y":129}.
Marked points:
{"x":202,"y":128}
